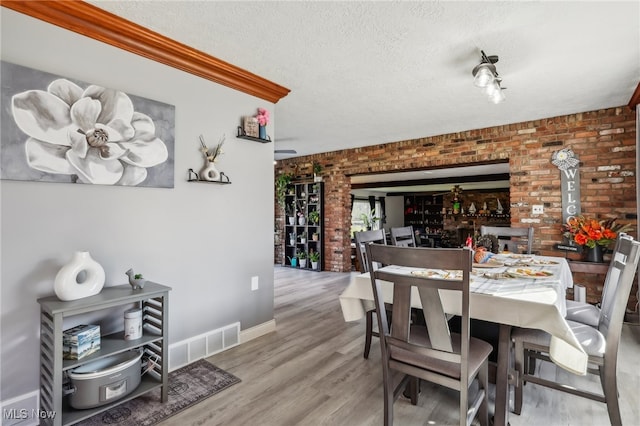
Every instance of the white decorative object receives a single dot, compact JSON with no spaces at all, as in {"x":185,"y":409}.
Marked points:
{"x":67,"y":286}
{"x":472,"y":209}
{"x":209,"y":172}
{"x":136,"y":281}
{"x":499,"y":210}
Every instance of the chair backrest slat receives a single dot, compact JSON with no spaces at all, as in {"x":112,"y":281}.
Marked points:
{"x":364,"y":237}
{"x":403,"y":236}
{"x":505,"y":234}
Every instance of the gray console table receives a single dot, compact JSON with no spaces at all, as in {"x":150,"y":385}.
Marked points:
{"x":154,"y":300}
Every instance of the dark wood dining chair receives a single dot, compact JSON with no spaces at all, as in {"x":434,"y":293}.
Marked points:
{"x":431,"y":352}
{"x":362,"y":238}
{"x":600,"y":343}
{"x":512,"y":239}
{"x":403,"y":236}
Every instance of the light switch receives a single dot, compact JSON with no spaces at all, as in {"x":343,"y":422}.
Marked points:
{"x":537,"y":209}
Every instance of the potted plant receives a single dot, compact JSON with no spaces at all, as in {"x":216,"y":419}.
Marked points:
{"x":292,"y":238}
{"x":369,"y":219}
{"x":314,"y":257}
{"x":137,"y":281}
{"x":291,"y":213}
{"x":302,"y":257}
{"x":315,"y":236}
{"x":282,"y":183}
{"x":303,"y":237}
{"x":317,"y":169}
{"x":314,"y":216}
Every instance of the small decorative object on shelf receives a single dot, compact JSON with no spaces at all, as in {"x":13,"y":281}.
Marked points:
{"x":66,"y":285}
{"x":261,"y":120}
{"x":137,"y":281}
{"x":209,"y":172}
{"x":302,"y":258}
{"x":133,"y":324}
{"x":317,"y":169}
{"x":250,"y":126}
{"x":314,"y":257}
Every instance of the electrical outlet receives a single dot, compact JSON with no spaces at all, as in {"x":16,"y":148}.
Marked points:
{"x":537,"y":209}
{"x":254,"y":283}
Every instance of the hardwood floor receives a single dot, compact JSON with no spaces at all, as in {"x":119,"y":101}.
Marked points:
{"x":311,"y":372}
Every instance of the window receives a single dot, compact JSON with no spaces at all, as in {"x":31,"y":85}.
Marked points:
{"x":361,"y":213}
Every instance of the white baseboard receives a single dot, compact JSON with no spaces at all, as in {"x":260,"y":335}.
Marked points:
{"x":257,"y":331}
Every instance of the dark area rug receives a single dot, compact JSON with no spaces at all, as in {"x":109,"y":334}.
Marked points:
{"x":187,"y":386}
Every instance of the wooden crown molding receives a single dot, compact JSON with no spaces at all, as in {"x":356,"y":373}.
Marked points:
{"x":635,"y":98}
{"x":88,"y":20}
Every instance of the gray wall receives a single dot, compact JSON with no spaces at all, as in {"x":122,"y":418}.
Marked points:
{"x":204,"y":240}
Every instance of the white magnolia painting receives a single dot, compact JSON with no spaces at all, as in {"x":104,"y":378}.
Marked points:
{"x":56,"y":129}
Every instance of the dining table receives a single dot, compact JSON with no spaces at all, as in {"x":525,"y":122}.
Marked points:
{"x":511,"y":290}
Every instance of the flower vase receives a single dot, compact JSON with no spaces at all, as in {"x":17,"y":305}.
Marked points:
{"x":262,"y":132}
{"x":67,"y":286}
{"x":301,"y":220}
{"x":292,"y":220}
{"x":595,"y":254}
{"x":209,"y":172}
{"x":303,"y":263}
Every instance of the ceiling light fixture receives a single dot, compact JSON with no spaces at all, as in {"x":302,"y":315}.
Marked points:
{"x":485,"y":76}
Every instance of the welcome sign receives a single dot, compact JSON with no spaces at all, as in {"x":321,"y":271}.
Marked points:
{"x":568,"y":163}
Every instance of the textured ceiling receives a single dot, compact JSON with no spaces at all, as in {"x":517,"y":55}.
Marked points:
{"x":365,"y":73}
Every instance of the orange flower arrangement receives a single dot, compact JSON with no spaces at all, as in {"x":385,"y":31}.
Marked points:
{"x":589,"y":232}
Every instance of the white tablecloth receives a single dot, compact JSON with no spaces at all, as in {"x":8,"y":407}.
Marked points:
{"x":521,"y":302}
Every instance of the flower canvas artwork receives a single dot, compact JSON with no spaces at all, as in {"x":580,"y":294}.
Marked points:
{"x":57,"y":129}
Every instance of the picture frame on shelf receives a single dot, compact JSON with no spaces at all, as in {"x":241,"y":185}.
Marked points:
{"x":250,"y":126}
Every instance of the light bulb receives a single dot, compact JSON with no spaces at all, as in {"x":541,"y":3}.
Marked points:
{"x":483,"y":76}
{"x":497,"y":96}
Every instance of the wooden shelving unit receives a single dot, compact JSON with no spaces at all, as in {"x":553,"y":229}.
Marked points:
{"x":306,"y":197}
{"x":154,"y":300}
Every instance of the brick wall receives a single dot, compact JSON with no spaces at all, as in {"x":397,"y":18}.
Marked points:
{"x":603,"y":140}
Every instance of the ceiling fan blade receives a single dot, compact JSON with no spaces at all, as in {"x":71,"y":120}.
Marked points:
{"x":285,"y":151}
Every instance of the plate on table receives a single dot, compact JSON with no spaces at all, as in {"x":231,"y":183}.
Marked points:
{"x":533,"y":262}
{"x":497,"y":275}
{"x":489,"y":264}
{"x":437,"y":274}
{"x":528,"y":273}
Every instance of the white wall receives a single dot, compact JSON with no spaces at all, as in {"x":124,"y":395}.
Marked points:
{"x":206,"y":241}
{"x":394,"y":209}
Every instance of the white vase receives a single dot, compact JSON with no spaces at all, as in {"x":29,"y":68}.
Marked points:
{"x":66,"y":284}
{"x":209,"y":172}
{"x":301,"y":221}
{"x":303,"y":263}
{"x":292,"y":220}
{"x":314,"y":265}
